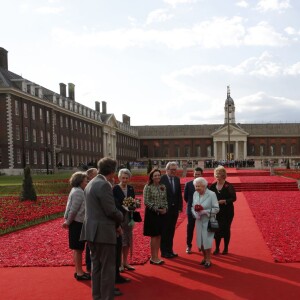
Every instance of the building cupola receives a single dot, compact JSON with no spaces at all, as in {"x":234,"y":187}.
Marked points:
{"x":229,"y":109}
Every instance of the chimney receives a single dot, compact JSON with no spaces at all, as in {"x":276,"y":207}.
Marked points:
{"x":3,"y":58}
{"x":97,"y":106}
{"x":63,"y":89}
{"x":126,"y":119}
{"x":104,"y":107}
{"x":71,"y":91}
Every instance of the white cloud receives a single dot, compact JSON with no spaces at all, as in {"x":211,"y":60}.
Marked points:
{"x":279,"y":5}
{"x":176,"y":2}
{"x":242,"y":3}
{"x":293,"y":70}
{"x":290,"y":30}
{"x":264,"y":35}
{"x":159,"y":15}
{"x":49,"y":10}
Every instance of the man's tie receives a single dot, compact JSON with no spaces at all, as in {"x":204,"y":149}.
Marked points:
{"x":172,"y":184}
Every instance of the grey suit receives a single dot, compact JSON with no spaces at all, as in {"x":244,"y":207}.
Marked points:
{"x":99,"y":229}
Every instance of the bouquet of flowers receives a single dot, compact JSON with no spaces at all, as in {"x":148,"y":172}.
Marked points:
{"x":131,"y":203}
{"x":198,"y":207}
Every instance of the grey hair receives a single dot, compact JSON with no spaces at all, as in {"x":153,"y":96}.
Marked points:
{"x":124,"y":171}
{"x":201,"y":180}
{"x":170,"y":164}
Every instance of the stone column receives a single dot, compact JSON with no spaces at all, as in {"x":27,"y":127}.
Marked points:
{"x":236,"y":154}
{"x":223,"y":151}
{"x":245,"y":149}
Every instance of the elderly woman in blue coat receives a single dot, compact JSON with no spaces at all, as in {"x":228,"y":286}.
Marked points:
{"x":205,"y":206}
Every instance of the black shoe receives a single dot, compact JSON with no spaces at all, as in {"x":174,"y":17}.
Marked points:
{"x":121,"y":279}
{"x":216,"y":252}
{"x":117,"y":293}
{"x":225,"y":251}
{"x":167,"y":255}
{"x":174,"y":254}
{"x":84,"y":276}
{"x":207,"y":265}
{"x":203,"y":261}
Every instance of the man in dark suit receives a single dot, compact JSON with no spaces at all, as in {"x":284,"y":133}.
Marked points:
{"x":174,"y":198}
{"x":188,"y":193}
{"x":102,"y":220}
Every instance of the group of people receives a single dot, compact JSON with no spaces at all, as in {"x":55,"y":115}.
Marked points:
{"x":97,"y":218}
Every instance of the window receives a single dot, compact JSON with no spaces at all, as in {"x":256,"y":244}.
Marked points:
{"x":17,"y":112}
{"x":67,"y":142}
{"x":26,"y":134}
{"x":272,"y":150}
{"x":17,"y":132}
{"x":18,"y":156}
{"x":55,"y":139}
{"x":62,"y":140}
{"x":67,"y":124}
{"x":42,"y":136}
{"x":48,"y":138}
{"x":33,"y":112}
{"x":177,"y":151}
{"x":283,"y":149}
{"x":25,"y":111}
{"x":41,"y":114}
{"x":54,"y":119}
{"x":187,"y":151}
{"x":27,"y":159}
{"x":61,"y":122}
{"x":198,"y":151}
{"x":71,"y":124}
{"x":34,"y":157}
{"x":48,"y":116}
{"x":262,"y":150}
{"x":42,"y":157}
{"x":34,"y":135}
{"x":49,"y":159}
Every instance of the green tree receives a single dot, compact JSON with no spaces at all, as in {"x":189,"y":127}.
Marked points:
{"x":149,"y":167}
{"x":288,"y":164}
{"x":28,"y":190}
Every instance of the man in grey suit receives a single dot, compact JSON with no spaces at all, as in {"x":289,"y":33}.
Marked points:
{"x":102,"y":220}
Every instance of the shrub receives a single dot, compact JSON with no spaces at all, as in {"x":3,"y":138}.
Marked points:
{"x":28,"y":190}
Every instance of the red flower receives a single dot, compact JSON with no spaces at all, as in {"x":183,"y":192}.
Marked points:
{"x":198,"y":207}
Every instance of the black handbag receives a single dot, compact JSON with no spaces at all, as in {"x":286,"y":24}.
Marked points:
{"x":136,"y":216}
{"x":213,"y":225}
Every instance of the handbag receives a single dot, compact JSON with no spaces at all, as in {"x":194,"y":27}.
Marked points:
{"x":213,"y":225}
{"x":136,"y":216}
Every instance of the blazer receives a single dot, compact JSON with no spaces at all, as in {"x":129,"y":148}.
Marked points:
{"x":188,"y":193}
{"x":101,"y":214}
{"x":119,"y":196}
{"x":174,"y":199}
{"x":75,"y":206}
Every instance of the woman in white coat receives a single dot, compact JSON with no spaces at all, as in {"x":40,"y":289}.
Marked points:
{"x":205,"y":206}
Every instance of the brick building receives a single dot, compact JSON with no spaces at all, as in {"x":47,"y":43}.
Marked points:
{"x":46,"y":130}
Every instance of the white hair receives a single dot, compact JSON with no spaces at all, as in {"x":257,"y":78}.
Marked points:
{"x":124,"y":171}
{"x":200,"y":180}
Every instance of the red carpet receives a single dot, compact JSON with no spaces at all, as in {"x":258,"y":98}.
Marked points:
{"x":248,"y":272}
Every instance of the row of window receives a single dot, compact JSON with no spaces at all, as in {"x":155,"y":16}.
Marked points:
{"x":83,"y":128}
{"x":35,"y":158}
{"x":272,"y":150}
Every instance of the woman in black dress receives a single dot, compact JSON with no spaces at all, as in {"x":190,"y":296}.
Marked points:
{"x":226,"y":196}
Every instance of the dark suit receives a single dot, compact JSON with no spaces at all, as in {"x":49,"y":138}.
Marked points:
{"x":188,"y":194}
{"x":174,"y":206}
{"x":99,"y":229}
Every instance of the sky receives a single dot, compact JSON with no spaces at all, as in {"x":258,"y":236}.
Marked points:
{"x":162,"y":62}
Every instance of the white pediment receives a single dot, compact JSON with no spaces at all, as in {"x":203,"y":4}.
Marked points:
{"x":234,"y":131}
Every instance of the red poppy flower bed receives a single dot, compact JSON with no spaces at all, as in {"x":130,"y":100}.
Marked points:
{"x":15,"y":214}
{"x":277,"y":215}
{"x":47,"y":245}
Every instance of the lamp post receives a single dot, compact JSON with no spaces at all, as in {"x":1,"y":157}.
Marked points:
{"x":228,"y":126}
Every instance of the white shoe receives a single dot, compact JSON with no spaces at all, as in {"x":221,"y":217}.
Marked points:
{"x":188,"y":250}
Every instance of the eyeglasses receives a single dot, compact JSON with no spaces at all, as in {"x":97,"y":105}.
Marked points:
{"x":173,"y":169}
